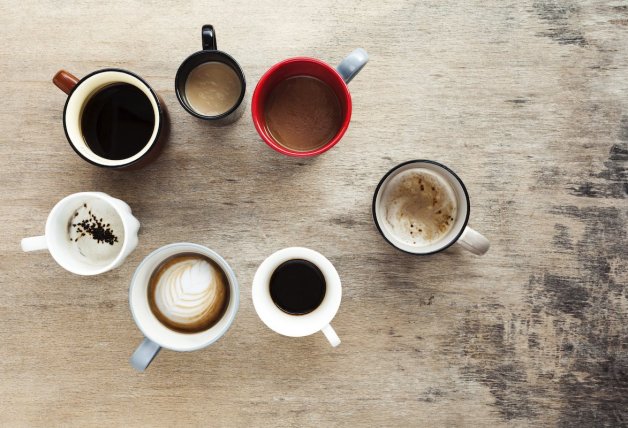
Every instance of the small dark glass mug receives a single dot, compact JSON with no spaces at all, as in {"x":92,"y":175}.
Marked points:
{"x":210,"y":53}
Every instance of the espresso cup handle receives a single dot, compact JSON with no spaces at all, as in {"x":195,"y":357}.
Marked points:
{"x":65,"y":81}
{"x":474,"y":241}
{"x":34,"y":243}
{"x":208,"y":36}
{"x":352,"y":64}
{"x":331,"y":335}
{"x":144,"y":354}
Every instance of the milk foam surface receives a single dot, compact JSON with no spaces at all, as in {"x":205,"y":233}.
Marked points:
{"x":419,"y":206}
{"x":188,"y":293}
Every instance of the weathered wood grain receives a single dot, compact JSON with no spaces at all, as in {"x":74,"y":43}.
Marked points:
{"x":527,"y":101}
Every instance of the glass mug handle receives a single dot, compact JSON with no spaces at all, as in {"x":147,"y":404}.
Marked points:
{"x":331,"y":335}
{"x":144,"y":354}
{"x":352,"y":64}
{"x":474,"y":241}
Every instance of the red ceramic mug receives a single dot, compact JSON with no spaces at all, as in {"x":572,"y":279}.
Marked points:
{"x":336,"y":78}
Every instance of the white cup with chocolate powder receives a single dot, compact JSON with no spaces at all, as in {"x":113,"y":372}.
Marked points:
{"x":88,"y":233}
{"x":422,"y":207}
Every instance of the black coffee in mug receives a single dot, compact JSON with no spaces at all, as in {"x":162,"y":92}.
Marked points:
{"x":118,"y":121}
{"x":297,"y":287}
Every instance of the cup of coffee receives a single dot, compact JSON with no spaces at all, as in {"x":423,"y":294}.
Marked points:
{"x":422,"y":207}
{"x":88,"y":233}
{"x":183,"y":297}
{"x":297,"y":292}
{"x":112,"y":118}
{"x":210,"y":84}
{"x":302,"y":106}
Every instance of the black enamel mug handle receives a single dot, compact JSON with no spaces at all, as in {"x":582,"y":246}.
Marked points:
{"x":209,"y":38}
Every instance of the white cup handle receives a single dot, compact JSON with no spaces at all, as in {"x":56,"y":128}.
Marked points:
{"x":34,"y":243}
{"x":331,"y":335}
{"x":474,"y":241}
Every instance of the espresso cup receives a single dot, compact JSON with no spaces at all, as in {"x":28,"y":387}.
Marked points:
{"x":210,"y":84}
{"x":302,"y":106}
{"x":289,"y":309}
{"x":88,"y":233}
{"x":112,"y":118}
{"x":422,"y":207}
{"x":165,"y":333}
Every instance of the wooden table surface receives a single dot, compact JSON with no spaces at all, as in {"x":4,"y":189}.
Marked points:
{"x":526,"y":101}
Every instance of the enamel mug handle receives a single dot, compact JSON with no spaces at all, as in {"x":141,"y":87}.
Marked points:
{"x":34,"y":243}
{"x":352,"y":64}
{"x":474,"y":241}
{"x":144,"y":354}
{"x":331,"y":335}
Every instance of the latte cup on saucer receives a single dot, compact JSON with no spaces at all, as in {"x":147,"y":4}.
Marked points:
{"x":297,"y":292}
{"x":183,"y":297}
{"x":423,"y":207}
{"x":88,"y":233}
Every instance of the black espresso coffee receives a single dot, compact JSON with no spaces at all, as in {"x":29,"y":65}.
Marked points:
{"x":297,"y":287}
{"x":118,"y":121}
{"x":303,"y":113}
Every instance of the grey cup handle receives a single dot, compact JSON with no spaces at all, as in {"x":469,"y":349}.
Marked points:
{"x":352,"y":64}
{"x":144,"y":354}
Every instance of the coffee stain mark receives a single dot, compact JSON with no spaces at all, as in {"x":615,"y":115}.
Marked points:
{"x":612,"y":181}
{"x":562,"y":238}
{"x":557,"y":14}
{"x":519,"y":101}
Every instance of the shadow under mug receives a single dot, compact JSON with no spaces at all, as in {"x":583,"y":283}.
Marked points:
{"x":79,"y":94}
{"x":56,"y":239}
{"x":210,"y":53}
{"x":459,"y":233}
{"x":156,"y":334}
{"x":298,"y":325}
{"x":337,"y":79}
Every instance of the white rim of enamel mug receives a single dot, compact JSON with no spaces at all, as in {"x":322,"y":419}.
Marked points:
{"x":462,"y":207}
{"x":182,"y":342}
{"x":52,"y":243}
{"x":78,"y":99}
{"x":296,"y":325}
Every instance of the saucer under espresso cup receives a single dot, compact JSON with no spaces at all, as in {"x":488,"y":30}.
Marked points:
{"x":422,"y":207}
{"x":297,"y":292}
{"x":92,"y":118}
{"x":210,"y":84}
{"x":183,"y":297}
{"x":302,"y":106}
{"x":88,"y":233}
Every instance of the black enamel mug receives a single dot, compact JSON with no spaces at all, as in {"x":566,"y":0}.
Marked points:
{"x":210,"y":84}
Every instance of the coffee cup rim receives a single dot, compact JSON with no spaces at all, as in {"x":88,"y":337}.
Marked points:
{"x":390,"y":172}
{"x":152,"y":144}
{"x":229,"y":315}
{"x":257,"y":121}
{"x":290,"y":324}
{"x":52,"y":246}
{"x":181,"y":97}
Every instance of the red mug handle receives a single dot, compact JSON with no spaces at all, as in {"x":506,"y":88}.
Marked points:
{"x":65,"y":81}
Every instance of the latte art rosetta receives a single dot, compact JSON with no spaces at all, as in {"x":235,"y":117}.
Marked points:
{"x":188,"y":293}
